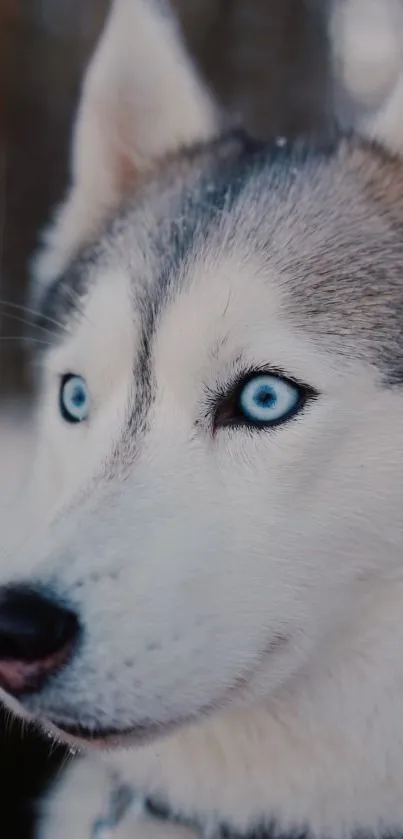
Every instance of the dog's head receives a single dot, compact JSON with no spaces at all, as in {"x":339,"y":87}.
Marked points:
{"x":220,"y":425}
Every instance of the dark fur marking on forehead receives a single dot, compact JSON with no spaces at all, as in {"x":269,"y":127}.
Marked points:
{"x":175,"y":238}
{"x":195,"y":209}
{"x":340,"y":202}
{"x":195,"y":214}
{"x":342,"y":260}
{"x":62,"y":300}
{"x":226,"y":164}
{"x":143,"y":376}
{"x":233,"y":160}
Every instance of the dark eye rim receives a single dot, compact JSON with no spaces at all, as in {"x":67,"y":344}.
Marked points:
{"x":65,"y":414}
{"x":226,"y":411}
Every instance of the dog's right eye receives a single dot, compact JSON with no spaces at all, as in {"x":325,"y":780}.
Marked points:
{"x":74,"y":399}
{"x":261,"y":400}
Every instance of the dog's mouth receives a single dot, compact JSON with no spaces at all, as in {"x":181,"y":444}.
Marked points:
{"x":79,"y":735}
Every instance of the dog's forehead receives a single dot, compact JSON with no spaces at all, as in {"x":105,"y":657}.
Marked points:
{"x":310,"y":224}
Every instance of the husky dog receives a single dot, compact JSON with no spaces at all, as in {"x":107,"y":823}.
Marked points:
{"x":215,"y":588}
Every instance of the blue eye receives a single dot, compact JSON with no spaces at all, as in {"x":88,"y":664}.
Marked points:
{"x":268,"y":399}
{"x":261,"y":400}
{"x":74,"y":399}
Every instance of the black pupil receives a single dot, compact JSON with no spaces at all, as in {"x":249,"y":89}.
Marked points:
{"x":78,"y":396}
{"x":265,"y":397}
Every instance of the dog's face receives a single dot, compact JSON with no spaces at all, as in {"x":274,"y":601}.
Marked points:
{"x":220,"y":432}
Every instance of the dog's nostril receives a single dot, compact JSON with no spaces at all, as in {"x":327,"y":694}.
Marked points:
{"x":36,"y":633}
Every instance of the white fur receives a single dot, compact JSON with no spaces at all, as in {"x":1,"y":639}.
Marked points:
{"x":201,"y":553}
{"x":314,"y":734}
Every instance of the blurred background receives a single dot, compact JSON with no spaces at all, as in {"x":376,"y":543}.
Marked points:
{"x":266,"y":60}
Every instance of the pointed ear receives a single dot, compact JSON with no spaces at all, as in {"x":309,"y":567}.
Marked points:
{"x":367,"y":45}
{"x":141,"y":99}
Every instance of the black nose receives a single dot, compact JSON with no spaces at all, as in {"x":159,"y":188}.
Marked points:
{"x":34,"y":628}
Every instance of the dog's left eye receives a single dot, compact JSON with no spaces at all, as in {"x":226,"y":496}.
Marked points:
{"x":261,"y":400}
{"x":74,"y":399}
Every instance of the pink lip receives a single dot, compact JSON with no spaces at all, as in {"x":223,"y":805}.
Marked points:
{"x":22,"y":677}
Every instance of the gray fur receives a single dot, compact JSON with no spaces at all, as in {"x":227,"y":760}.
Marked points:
{"x":314,"y":214}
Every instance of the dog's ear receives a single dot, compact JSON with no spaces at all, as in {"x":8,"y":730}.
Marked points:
{"x":367,"y":46}
{"x":141,"y":99}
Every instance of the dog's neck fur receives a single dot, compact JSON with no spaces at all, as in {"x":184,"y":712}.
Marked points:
{"x":323,"y":757}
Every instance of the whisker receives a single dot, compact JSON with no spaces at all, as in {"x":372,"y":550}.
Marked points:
{"x":33,"y":312}
{"x":17,"y":339}
{"x":27,"y":322}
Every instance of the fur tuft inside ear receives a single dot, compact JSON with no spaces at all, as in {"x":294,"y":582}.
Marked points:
{"x":367,"y":46}
{"x":141,"y":100}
